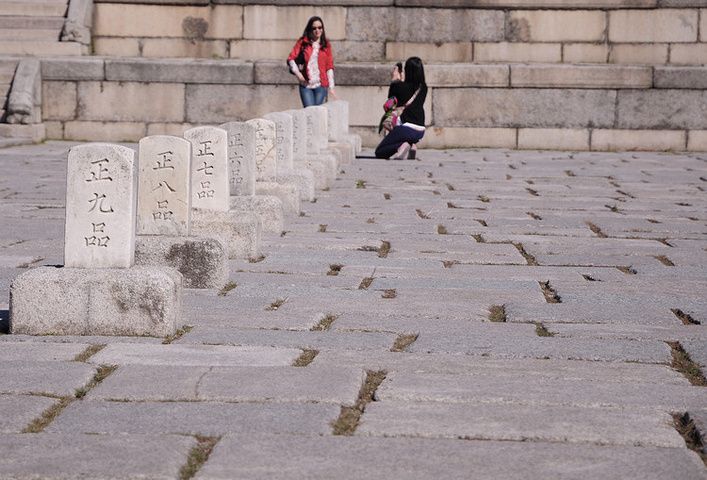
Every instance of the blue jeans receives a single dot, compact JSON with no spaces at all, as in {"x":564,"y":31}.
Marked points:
{"x":399,"y":135}
{"x":312,"y":96}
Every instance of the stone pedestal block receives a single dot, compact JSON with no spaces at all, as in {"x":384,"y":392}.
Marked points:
{"x":346,"y":149}
{"x":302,"y":178}
{"x":202,"y":261}
{"x":266,"y":207}
{"x":239,"y":231}
{"x":137,"y":301}
{"x":288,"y":193}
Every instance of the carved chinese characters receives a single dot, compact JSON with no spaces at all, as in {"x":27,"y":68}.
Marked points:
{"x":100,"y":207}
{"x":209,"y":168}
{"x":241,"y":157}
{"x":283,"y":131}
{"x":265,"y":151}
{"x":164,"y":188}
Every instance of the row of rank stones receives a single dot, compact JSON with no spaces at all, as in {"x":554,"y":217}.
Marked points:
{"x":140,"y":226}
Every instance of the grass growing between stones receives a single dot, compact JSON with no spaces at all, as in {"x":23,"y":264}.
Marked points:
{"x":227,"y":288}
{"x":40,"y":423}
{"x":687,"y":429}
{"x":90,"y":351}
{"x":528,"y":257}
{"x":184,"y":330}
{"x":595,"y":229}
{"x":305,"y":358}
{"x":404,"y":341}
{"x":365,"y":283}
{"x":389,"y":293}
{"x":664,"y":260}
{"x":682,"y":363}
{"x":349,"y":417}
{"x":541,"y":331}
{"x":497,"y":314}
{"x":442,"y":230}
{"x":685,"y":318}
{"x":276,"y":304}
{"x":324,"y":324}
{"x":550,"y":293}
{"x":384,"y":249}
{"x":334,"y":269}
{"x":198,"y":456}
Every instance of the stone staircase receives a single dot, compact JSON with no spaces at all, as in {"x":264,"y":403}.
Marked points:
{"x":33,"y":27}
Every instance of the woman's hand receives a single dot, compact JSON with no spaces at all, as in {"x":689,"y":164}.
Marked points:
{"x":333,"y":94}
{"x":397,"y":75}
{"x":301,"y":78}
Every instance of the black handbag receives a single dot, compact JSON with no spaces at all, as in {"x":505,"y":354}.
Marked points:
{"x":300,"y":63}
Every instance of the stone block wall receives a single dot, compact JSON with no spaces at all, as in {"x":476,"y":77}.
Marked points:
{"x":564,"y":74}
{"x":654,"y":32}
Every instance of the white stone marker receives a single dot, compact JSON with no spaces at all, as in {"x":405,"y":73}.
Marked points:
{"x":265,"y":150}
{"x":283,"y":140}
{"x":316,"y":129}
{"x":101,"y":201}
{"x":209,"y":168}
{"x":164,"y":186}
{"x":241,"y":157}
{"x":299,"y":134}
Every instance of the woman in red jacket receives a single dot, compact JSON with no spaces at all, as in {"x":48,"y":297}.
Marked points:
{"x":317,"y":77}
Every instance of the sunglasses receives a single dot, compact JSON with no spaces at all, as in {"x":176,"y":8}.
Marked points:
{"x":317,"y":28}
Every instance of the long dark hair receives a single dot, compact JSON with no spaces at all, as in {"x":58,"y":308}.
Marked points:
{"x":414,"y":71}
{"x":307,"y":34}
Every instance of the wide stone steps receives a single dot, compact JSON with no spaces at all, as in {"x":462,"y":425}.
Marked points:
{"x":34,"y":8}
{"x":33,"y":27}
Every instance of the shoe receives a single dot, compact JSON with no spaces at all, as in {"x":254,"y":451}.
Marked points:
{"x":412,"y":154}
{"x":402,"y":152}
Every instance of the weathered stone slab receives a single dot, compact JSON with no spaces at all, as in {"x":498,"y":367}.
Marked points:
{"x":57,"y":456}
{"x":195,"y":355}
{"x":73,"y":301}
{"x":288,"y":193}
{"x":59,"y":379}
{"x":299,"y":134}
{"x":209,"y":168}
{"x":195,"y":418}
{"x":100,"y":206}
{"x":317,"y":129}
{"x":164,"y":187}
{"x":303,"y":179}
{"x":202,"y":261}
{"x":241,"y":157}
{"x":268,"y":209}
{"x":181,"y":70}
{"x":20,"y":410}
{"x":413,"y":387}
{"x":239,"y":231}
{"x":521,"y":423}
{"x":266,"y":457}
{"x":41,"y":353}
{"x":303,"y":340}
{"x":329,"y":385}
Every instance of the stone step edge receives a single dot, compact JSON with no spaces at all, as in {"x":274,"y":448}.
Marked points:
{"x":442,"y":75}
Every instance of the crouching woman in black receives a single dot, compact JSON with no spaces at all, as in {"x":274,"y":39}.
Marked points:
{"x":401,"y":142}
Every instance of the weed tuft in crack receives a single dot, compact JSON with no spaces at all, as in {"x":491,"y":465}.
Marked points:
{"x":47,"y":417}
{"x":227,"y":288}
{"x":365,"y":283}
{"x":198,"y":456}
{"x":530,"y":259}
{"x":389,"y":293}
{"x":541,"y":331}
{"x":497,"y":314}
{"x":595,"y":229}
{"x":322,"y":228}
{"x":685,"y":318}
{"x":534,"y":216}
{"x":276,"y":304}
{"x":325,"y":323}
{"x":683,"y":363}
{"x":688,"y":431}
{"x":178,"y":334}
{"x":384,"y":249}
{"x":334,"y":269}
{"x":550,"y":293}
{"x":349,"y":417}
{"x":90,"y":351}
{"x":664,"y":260}
{"x":450,"y":263}
{"x":442,"y":230}
{"x":305,"y":358}
{"x":627,"y":270}
{"x":404,"y":341}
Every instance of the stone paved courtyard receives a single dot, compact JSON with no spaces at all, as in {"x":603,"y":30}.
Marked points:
{"x":470,"y":314}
